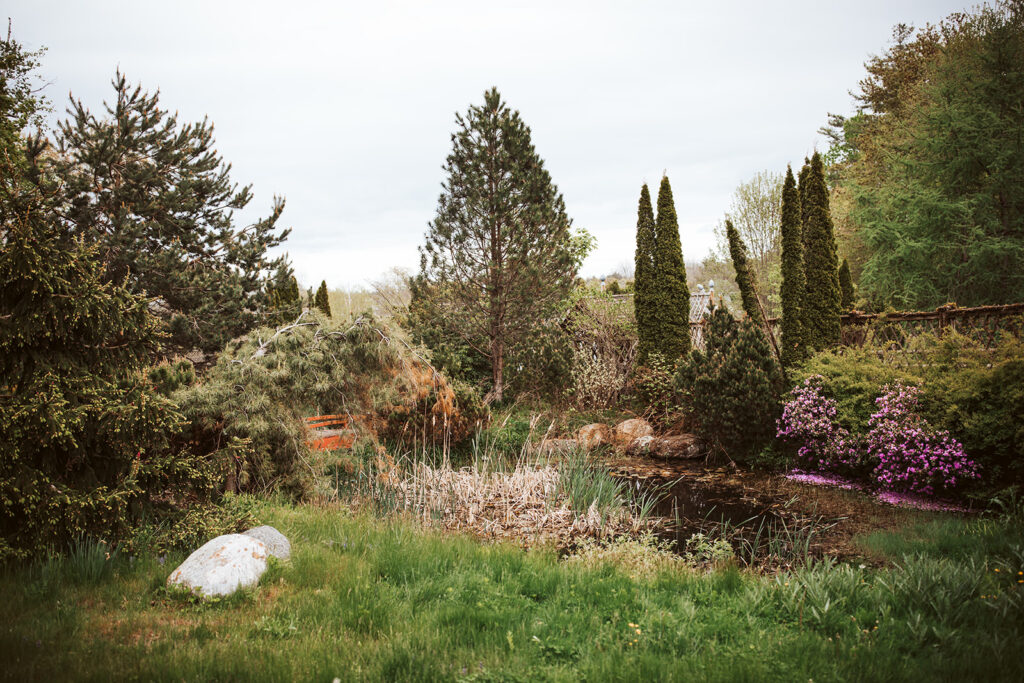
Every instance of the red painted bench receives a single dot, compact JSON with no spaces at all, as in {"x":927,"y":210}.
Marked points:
{"x":330,"y":432}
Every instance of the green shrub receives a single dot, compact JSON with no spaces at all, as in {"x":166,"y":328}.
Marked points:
{"x":733,"y":387}
{"x":853,"y":378}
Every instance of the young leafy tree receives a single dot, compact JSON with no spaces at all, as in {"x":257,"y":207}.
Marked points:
{"x":644,"y":283}
{"x":821,"y":265}
{"x":744,"y":278}
{"x":672,"y":299}
{"x":793,"y":287}
{"x":322,"y":301}
{"x":158,"y":201}
{"x":500,"y":251}
{"x":845,"y":287}
{"x":82,"y":432}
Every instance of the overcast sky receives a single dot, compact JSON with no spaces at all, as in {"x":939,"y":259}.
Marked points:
{"x":346,"y":109}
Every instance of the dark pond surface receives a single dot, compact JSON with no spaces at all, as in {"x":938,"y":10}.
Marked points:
{"x":692,"y":497}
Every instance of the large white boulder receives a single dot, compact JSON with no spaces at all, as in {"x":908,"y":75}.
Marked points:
{"x":222,"y":566}
{"x":276,"y":542}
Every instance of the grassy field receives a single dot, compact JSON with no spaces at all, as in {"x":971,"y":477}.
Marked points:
{"x":371,"y":599}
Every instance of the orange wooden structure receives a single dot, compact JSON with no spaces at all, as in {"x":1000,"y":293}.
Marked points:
{"x":330,"y":432}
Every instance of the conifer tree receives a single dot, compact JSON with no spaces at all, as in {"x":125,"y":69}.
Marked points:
{"x":793,"y":287}
{"x":644,"y":283}
{"x":500,"y":251}
{"x":672,"y":301}
{"x":845,"y":287}
{"x":322,"y":301}
{"x":821,"y":263}
{"x":744,"y":278}
{"x":158,"y":200}
{"x":82,"y":432}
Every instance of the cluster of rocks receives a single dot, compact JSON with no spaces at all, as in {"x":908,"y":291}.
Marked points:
{"x":226,"y":563}
{"x":633,"y":437}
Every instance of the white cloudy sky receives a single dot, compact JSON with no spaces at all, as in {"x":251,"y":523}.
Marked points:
{"x":346,"y":108}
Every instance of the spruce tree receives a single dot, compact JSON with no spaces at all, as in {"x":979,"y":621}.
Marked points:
{"x":821,"y":262}
{"x":644,"y":283}
{"x":672,"y":300}
{"x":500,"y":252}
{"x":845,"y":287}
{"x":82,"y":432}
{"x":793,"y":287}
{"x":744,"y":278}
{"x":322,"y":301}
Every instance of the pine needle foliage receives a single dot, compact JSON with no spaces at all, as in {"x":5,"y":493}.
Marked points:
{"x":821,"y":262}
{"x":322,"y":301}
{"x":82,"y":432}
{"x":157,"y":199}
{"x":793,"y":348}
{"x":744,"y":276}
{"x":672,"y":300}
{"x":645,"y":279}
{"x":499,"y":250}
{"x":733,"y":385}
{"x":247,"y":416}
{"x":845,"y":287}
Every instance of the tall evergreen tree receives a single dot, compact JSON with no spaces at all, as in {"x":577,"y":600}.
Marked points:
{"x":845,"y":287}
{"x":672,"y":301}
{"x":82,"y":432}
{"x":793,"y":287}
{"x":322,"y":301}
{"x":821,"y":262}
{"x":744,"y":278}
{"x":644,"y":283}
{"x":500,"y":251}
{"x":802,"y":179}
{"x":158,"y":201}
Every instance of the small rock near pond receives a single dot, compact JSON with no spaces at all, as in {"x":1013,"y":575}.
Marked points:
{"x":277,"y":545}
{"x":222,"y":566}
{"x":681,"y":446}
{"x":591,"y":436}
{"x":548,"y":446}
{"x":630,"y":430}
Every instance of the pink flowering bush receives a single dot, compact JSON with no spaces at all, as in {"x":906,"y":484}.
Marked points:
{"x":810,"y":419}
{"x":911,"y":456}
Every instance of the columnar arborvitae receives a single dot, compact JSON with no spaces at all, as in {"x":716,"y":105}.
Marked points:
{"x":644,"y":305}
{"x":845,"y":287}
{"x":821,"y":262}
{"x":673,"y":297}
{"x":793,"y":286}
{"x":805,"y":172}
{"x":322,"y":301}
{"x":744,"y":278}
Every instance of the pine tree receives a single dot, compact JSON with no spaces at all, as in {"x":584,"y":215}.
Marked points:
{"x":500,"y":251}
{"x":672,"y":300}
{"x":158,"y":201}
{"x":845,"y":287}
{"x":744,"y":278}
{"x":644,"y":283}
{"x":821,"y":263}
{"x":82,"y":432}
{"x":734,"y":387}
{"x":793,"y":287}
{"x":322,"y":301}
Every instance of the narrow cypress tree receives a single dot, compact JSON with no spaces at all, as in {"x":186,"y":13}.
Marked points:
{"x":805,"y":172}
{"x":821,"y":262}
{"x":845,"y":287}
{"x":322,"y":301}
{"x":744,"y":278}
{"x":793,"y":283}
{"x":644,"y":283}
{"x":673,"y":297}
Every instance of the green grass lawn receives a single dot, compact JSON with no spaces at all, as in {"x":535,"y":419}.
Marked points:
{"x":371,"y":599}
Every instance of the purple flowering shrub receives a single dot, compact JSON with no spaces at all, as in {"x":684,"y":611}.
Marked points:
{"x":911,"y":456}
{"x":810,"y":419}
